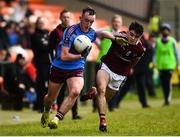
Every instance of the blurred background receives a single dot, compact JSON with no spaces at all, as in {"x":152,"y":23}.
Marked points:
{"x":18,"y":24}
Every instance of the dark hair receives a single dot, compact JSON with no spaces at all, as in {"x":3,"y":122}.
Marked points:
{"x":19,"y":56}
{"x":62,"y":12}
{"x":90,"y":10}
{"x":138,"y":28}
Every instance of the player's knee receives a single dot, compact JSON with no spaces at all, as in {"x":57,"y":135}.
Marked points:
{"x":75,"y":93}
{"x":101,"y":90}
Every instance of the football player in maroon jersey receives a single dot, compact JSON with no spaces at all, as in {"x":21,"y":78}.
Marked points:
{"x":125,"y":51}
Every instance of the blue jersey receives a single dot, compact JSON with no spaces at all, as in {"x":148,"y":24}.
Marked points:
{"x":67,"y":41}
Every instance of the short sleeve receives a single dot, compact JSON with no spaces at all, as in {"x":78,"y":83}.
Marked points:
{"x":67,"y":40}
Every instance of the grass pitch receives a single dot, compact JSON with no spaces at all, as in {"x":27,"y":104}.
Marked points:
{"x":129,"y":119}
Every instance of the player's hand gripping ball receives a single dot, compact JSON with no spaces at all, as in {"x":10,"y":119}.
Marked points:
{"x":82,"y":43}
{"x":86,"y":52}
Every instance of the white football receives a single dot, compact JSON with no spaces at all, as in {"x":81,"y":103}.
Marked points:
{"x":81,"y":42}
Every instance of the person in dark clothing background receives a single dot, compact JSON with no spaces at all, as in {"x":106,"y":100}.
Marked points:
{"x":143,"y":75}
{"x":150,"y":51}
{"x":22,"y":82}
{"x":40,"y":48}
{"x":14,"y":75}
{"x":54,"y":39}
{"x":4,"y":39}
{"x":8,"y":93}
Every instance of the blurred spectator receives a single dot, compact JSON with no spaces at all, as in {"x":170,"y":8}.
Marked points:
{"x":25,"y":34}
{"x":154,"y":23}
{"x":149,"y":72}
{"x":23,"y":81}
{"x":8,"y":2}
{"x":4,"y":39}
{"x":166,"y":60}
{"x":5,"y":97}
{"x":4,"y":61}
{"x":40,"y":47}
{"x":20,"y":78}
{"x":1,"y":83}
{"x":31,"y":71}
{"x":30,"y":94}
{"x":1,"y":14}
{"x":13,"y":34}
{"x":140,"y":73}
{"x":16,"y":83}
{"x":116,"y":24}
{"x":21,"y":11}
{"x":2,"y":24}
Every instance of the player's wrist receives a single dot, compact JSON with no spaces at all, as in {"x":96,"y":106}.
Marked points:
{"x":79,"y":56}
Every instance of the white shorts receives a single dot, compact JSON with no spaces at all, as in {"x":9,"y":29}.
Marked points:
{"x":115,"y":81}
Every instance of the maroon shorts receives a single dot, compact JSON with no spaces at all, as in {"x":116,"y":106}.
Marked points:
{"x":58,"y":75}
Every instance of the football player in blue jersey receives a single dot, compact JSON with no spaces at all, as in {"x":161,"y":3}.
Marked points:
{"x":68,"y":66}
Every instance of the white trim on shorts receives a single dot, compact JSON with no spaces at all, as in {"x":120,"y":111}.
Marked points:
{"x":115,"y":80}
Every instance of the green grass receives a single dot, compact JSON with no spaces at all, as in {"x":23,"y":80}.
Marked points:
{"x":129,"y":119}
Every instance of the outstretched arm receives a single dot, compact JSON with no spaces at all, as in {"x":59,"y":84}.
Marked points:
{"x":105,"y":34}
{"x":113,"y":36}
